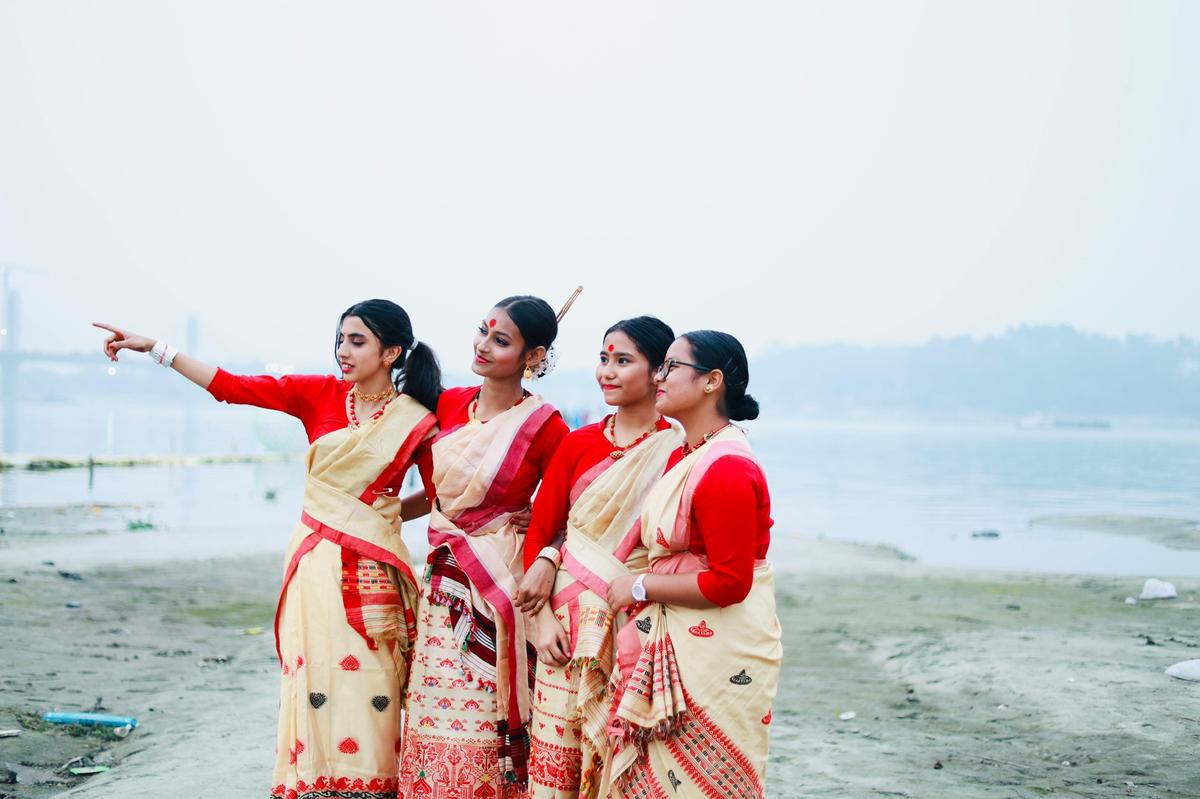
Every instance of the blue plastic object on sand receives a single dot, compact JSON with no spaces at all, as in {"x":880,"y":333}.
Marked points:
{"x":90,"y":719}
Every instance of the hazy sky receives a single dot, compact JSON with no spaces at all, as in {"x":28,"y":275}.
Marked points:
{"x":794,"y":172}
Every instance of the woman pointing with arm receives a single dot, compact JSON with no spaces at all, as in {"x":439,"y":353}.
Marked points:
{"x":346,"y":615}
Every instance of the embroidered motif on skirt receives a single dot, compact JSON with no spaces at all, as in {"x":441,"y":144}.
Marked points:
{"x":338,"y":788}
{"x":450,"y":745}
{"x":475,"y":639}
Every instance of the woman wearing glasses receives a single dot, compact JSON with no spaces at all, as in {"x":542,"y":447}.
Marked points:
{"x":591,"y":495}
{"x":699,"y":659}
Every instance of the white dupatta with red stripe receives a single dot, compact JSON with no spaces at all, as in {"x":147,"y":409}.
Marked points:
{"x":340,"y":491}
{"x":474,"y":466}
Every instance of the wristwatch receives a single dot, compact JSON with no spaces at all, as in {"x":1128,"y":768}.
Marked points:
{"x":638,"y":589}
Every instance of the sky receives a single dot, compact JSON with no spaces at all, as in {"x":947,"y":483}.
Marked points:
{"x":797,"y":172}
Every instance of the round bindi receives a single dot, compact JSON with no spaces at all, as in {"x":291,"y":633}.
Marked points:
{"x":611,"y":348}
{"x":491,"y":323}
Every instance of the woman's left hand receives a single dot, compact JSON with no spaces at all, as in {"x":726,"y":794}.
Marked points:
{"x":620,"y":592}
{"x":551,"y":640}
{"x":520,"y":521}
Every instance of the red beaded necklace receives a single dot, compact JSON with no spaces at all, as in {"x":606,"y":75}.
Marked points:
{"x":611,"y":434}
{"x":688,"y":449}
{"x":473,"y":409}
{"x":353,"y":416}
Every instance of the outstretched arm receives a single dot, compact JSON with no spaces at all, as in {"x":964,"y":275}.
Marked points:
{"x":197,"y":371}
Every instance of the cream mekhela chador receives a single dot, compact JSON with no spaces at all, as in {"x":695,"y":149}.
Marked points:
{"x":692,"y":705}
{"x":344,"y":652}
{"x":603,"y":541}
{"x":468,"y":710}
{"x":346,"y":613}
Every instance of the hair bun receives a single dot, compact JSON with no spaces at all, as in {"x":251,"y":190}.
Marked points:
{"x":534,"y":317}
{"x":746,"y":410}
{"x":711,"y":347}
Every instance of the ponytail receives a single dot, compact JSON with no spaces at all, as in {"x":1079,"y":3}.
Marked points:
{"x":421,"y":375}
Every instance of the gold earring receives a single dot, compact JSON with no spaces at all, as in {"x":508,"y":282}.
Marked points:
{"x":528,"y":372}
{"x":708,"y":389}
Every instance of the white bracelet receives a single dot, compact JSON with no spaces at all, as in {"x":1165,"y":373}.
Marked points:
{"x":551,"y":554}
{"x":163,"y":353}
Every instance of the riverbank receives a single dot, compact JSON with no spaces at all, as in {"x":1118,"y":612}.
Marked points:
{"x":47,"y":463}
{"x":963,"y":684}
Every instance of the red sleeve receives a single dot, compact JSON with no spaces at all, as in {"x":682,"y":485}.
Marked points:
{"x":731,"y":513}
{"x":291,"y":394}
{"x":545,"y":444}
{"x":534,"y":470}
{"x":452,"y":406}
{"x":424,"y":461}
{"x":552,"y":503}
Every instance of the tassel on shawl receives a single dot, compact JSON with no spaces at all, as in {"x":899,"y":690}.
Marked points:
{"x":657,"y":707}
{"x":514,"y":754}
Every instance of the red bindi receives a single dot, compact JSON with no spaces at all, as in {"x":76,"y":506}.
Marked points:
{"x":492,"y":323}
{"x":611,"y":348}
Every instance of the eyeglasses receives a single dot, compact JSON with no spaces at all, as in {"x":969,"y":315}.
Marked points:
{"x":671,"y":363}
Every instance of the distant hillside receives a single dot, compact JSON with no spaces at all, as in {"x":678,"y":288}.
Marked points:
{"x":1052,"y":369}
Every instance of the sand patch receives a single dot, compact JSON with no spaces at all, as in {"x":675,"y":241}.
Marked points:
{"x":1170,"y":532}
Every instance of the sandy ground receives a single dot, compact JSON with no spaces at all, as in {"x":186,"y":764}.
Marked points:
{"x":963,"y":684}
{"x":969,"y":685}
{"x":160,"y":643}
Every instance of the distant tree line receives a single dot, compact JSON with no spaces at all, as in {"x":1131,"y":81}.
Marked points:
{"x":1052,"y":369}
{"x":1049,"y":369}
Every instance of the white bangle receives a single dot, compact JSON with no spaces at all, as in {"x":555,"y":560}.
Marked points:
{"x":163,"y":353}
{"x":551,"y":554}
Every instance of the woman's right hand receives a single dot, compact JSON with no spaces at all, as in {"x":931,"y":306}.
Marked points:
{"x":123,"y":340}
{"x":535,"y":586}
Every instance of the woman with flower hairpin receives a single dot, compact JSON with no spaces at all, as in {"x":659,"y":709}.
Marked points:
{"x":467,"y":714}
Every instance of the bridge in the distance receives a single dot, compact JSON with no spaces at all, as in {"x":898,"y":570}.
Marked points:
{"x":13,"y":357}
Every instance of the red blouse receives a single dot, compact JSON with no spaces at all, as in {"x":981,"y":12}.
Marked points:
{"x":731,"y":508}
{"x":454,"y":410}
{"x":580,"y":451}
{"x":318,"y":401}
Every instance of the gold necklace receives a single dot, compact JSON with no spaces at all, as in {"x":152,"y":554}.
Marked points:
{"x":373,"y":398}
{"x":352,"y":411}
